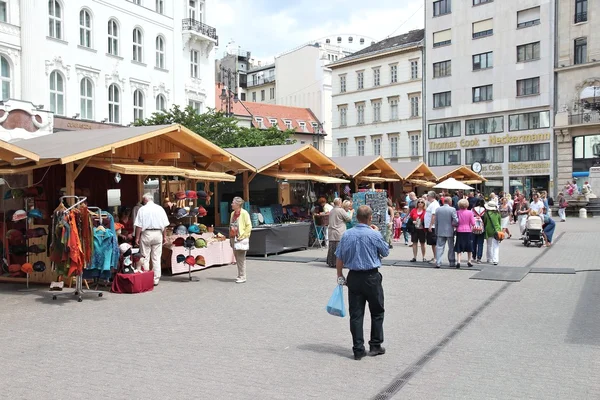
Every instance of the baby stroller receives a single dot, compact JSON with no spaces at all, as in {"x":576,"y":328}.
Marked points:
{"x":533,"y":231}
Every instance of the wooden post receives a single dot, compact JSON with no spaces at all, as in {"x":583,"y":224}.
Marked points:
{"x":160,"y":189}
{"x":70,"y":181}
{"x":246,"y":186}
{"x":215,"y":200}
{"x":355,"y":185}
{"x":140,"y":186}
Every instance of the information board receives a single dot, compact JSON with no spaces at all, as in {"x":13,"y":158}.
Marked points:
{"x":377,"y":200}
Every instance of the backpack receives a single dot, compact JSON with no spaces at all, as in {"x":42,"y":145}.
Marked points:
{"x":478,"y":227}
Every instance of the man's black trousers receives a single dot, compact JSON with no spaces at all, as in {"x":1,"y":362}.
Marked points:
{"x":365,"y":286}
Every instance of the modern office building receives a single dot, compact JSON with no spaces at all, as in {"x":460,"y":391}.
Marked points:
{"x":490,"y":89}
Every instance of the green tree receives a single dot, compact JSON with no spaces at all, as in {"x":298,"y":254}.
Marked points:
{"x":217,"y":127}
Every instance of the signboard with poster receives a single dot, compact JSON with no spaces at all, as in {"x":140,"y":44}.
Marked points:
{"x":377,"y":200}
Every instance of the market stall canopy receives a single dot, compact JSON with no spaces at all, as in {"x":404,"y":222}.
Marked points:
{"x":292,"y":158}
{"x":164,"y":170}
{"x":11,"y":154}
{"x":460,"y":173}
{"x":453,"y":184}
{"x":159,"y":145}
{"x":303,"y":177}
{"x":368,"y":168}
{"x":417,"y":173}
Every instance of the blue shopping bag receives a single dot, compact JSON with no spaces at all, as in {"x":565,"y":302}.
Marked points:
{"x":336,"y":305}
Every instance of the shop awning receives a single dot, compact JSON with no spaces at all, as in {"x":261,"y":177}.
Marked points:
{"x":377,"y":179}
{"x":305,"y":177}
{"x":420,"y":182}
{"x":460,"y":173}
{"x":157,"y":170}
{"x":365,"y":167}
{"x":12,"y":154}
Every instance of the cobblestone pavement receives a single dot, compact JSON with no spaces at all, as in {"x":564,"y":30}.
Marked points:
{"x":272,"y":339}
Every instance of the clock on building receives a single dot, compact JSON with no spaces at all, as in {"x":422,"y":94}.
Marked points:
{"x":476,"y":167}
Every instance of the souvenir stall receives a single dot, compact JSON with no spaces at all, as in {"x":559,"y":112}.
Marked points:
{"x":417,"y":177}
{"x":110,"y":168}
{"x":369,"y":172}
{"x":461,"y":173}
{"x":280,"y":195}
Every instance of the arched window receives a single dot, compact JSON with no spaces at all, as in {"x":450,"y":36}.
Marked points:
{"x":54,"y":19}
{"x":5,"y":76}
{"x":57,"y":93}
{"x":85,"y":28}
{"x":114,"y":104}
{"x":137,"y":45}
{"x":161,"y":103}
{"x":86,"y":92}
{"x":138,"y":105}
{"x":113,"y":37}
{"x":160,"y":52}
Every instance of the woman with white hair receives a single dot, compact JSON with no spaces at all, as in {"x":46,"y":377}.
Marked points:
{"x":240,"y":229}
{"x":338,"y":217}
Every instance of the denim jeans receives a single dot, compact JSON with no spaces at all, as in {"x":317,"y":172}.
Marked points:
{"x":478,"y":246}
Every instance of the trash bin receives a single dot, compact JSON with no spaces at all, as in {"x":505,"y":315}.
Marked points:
{"x":582,"y":213}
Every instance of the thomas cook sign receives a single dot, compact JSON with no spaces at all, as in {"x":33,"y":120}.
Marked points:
{"x":492,"y":140}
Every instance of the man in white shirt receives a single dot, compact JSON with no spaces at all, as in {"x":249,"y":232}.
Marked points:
{"x":537,"y":204}
{"x":430,"y":221}
{"x":150,"y":223}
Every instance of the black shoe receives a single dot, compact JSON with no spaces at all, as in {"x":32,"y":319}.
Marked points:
{"x":390,"y":246}
{"x":359,"y":355}
{"x":438,"y":266}
{"x":376,"y":351}
{"x":469,"y":265}
{"x":457,"y":265}
{"x":413,"y":260}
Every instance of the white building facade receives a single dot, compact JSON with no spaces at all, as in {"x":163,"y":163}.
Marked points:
{"x":489,"y":89}
{"x":377,"y":100}
{"x":110,"y":61}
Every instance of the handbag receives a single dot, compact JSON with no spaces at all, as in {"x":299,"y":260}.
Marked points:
{"x":410,"y":226}
{"x":241,"y":245}
{"x":336,"y":305}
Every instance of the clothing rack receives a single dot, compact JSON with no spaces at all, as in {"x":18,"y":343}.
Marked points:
{"x":79,"y":291}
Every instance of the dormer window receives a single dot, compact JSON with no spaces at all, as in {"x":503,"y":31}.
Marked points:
{"x":273,"y":122}
{"x":288,"y":124}
{"x":302,"y":126}
{"x":259,"y":122}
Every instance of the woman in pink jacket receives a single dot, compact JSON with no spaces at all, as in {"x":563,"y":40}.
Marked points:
{"x":464,"y":232}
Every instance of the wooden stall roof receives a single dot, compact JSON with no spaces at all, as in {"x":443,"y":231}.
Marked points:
{"x":69,"y":146}
{"x":292,"y":158}
{"x":11,"y":154}
{"x":415,"y":172}
{"x":460,"y":173}
{"x":302,"y":177}
{"x":368,"y":168}
{"x":153,"y":170}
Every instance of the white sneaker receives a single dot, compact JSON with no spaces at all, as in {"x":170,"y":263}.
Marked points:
{"x":240,"y":280}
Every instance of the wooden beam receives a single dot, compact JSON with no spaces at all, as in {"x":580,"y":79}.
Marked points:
{"x":80,"y":167}
{"x":296,"y":166}
{"x":140,"y":186}
{"x":70,"y":180}
{"x":418,"y":174}
{"x":372,"y":171}
{"x":220,"y":157}
{"x":175,"y":155}
{"x":246,"y":186}
{"x":252,"y":176}
{"x":328,"y":167}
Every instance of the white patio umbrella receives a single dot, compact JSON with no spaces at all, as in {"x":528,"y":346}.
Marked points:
{"x":452,"y":183}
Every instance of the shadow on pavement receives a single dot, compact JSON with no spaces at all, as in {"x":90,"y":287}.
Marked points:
{"x":324,"y":348}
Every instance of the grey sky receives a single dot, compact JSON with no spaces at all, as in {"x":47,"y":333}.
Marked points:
{"x":269,"y":27}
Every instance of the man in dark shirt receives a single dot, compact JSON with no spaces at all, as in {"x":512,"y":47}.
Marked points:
{"x":472,"y":200}
{"x":360,"y":251}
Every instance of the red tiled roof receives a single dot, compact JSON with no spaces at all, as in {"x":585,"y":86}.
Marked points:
{"x":238,"y":108}
{"x":282,"y":114}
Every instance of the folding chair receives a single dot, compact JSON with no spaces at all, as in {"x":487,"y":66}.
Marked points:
{"x":319,"y":234}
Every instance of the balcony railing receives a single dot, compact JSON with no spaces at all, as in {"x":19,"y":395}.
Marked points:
{"x":261,"y":81}
{"x":197,"y":26}
{"x":584,"y":118}
{"x":581,"y":17}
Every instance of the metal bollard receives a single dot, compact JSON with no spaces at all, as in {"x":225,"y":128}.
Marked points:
{"x":549,"y":212}
{"x":582,"y":213}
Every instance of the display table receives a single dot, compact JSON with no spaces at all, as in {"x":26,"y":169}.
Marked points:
{"x":217,"y":253}
{"x":274,"y":239}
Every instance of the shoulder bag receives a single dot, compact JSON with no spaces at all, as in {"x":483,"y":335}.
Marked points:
{"x":241,"y":245}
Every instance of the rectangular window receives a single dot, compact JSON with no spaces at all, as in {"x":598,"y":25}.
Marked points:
{"x":580,"y":51}
{"x":442,"y":7}
{"x":482,"y":126}
{"x":485,"y":155}
{"x":254,"y":97}
{"x":360,"y":80}
{"x":442,"y":68}
{"x":414,"y":144}
{"x":443,"y":99}
{"x":194,"y":64}
{"x":343,"y":116}
{"x":273,"y":123}
{"x":393,"y":73}
{"x":444,"y":130}
{"x":529,"y":152}
{"x":533,"y":120}
{"x":414,"y":69}
{"x":302,"y":125}
{"x":377,"y":146}
{"x":360,"y":147}
{"x":442,"y":38}
{"x":528,"y":52}
{"x":581,"y":11}
{"x":259,"y":123}
{"x":376,"y":111}
{"x":478,"y":2}
{"x":483,"y":61}
{"x":262,"y":95}
{"x":376,"y":76}
{"x":483,"y":28}
{"x":443,"y":158}
{"x":530,"y":86}
{"x":243,"y":96}
{"x":393,"y":146}
{"x":393,"y":109}
{"x":196,"y":105}
{"x":288,"y":124}
{"x":360,"y":114}
{"x":343,"y":146}
{"x":529,"y":17}
{"x":414,"y":106}
{"x":483,"y":93}
{"x":272,"y":93}
{"x":343,"y":84}
{"x":3,"y":14}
